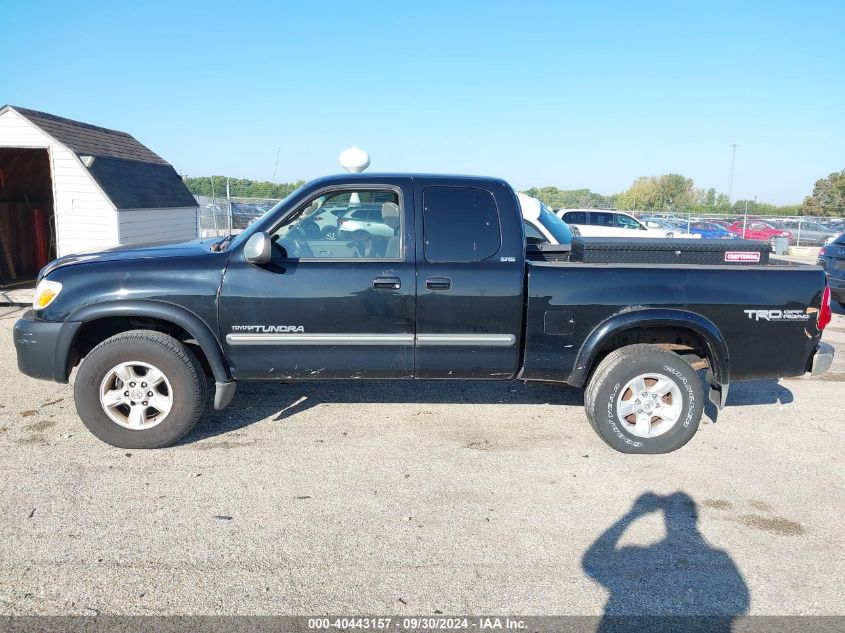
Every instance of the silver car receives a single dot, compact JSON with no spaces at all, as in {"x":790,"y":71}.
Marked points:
{"x":811,"y":233}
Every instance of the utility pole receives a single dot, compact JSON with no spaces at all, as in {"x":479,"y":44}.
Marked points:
{"x":276,"y":166}
{"x":733,"y":161}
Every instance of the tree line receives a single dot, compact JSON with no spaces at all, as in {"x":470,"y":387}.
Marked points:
{"x":664,"y":193}
{"x":215,"y":186}
{"x":677,"y":193}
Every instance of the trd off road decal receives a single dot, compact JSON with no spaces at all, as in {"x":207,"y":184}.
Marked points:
{"x":777,"y":315}
{"x":269,"y":329}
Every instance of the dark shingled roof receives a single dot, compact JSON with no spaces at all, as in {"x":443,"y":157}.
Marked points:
{"x":130,"y":174}
{"x":132,"y":184}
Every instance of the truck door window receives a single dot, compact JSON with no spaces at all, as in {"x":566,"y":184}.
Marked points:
{"x":601,"y":219}
{"x":575,"y":217}
{"x":364,"y":224}
{"x":460,"y":224}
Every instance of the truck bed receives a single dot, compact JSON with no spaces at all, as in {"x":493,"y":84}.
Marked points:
{"x":760,"y":310}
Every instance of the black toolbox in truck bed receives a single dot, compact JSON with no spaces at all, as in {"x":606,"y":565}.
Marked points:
{"x":623,"y":250}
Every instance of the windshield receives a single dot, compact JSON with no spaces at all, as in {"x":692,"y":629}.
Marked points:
{"x":557,"y":227}
{"x":230,"y":240}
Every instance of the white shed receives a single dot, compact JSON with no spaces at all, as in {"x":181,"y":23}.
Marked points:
{"x":70,"y":187}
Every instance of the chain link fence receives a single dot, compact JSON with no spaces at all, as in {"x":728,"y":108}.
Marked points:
{"x":222,"y":216}
{"x":804,"y":230}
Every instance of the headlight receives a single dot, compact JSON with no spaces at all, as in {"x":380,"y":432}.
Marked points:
{"x":45,"y":292}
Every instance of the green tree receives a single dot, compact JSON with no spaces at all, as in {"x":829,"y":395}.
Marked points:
{"x":668,"y":192}
{"x":570,"y":198}
{"x":239,"y":187}
{"x":828,"y":197}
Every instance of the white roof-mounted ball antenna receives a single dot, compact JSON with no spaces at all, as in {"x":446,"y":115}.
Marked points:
{"x":354,"y":160}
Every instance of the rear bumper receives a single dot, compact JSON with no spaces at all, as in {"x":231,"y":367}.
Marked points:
{"x":822,"y":359}
{"x":43,"y":347}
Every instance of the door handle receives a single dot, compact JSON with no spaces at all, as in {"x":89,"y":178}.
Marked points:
{"x":438,"y":283}
{"x":387,"y":283}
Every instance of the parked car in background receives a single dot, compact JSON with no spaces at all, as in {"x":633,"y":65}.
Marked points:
{"x":600,"y":223}
{"x":720,"y":222}
{"x":711,"y":231}
{"x":670,"y":229}
{"x":541,"y":223}
{"x":832,"y":259}
{"x":758,"y":230}
{"x":837,"y":225}
{"x":669,"y":217}
{"x":364,"y":221}
{"x":807,"y":233}
{"x":244,"y":214}
{"x":325,"y":216}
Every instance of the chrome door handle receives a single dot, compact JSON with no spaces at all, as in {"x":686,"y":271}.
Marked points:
{"x":438,"y":283}
{"x":387,"y":283}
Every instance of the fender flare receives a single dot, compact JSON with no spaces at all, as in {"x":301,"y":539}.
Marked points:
{"x":177,"y":315}
{"x":717,"y":349}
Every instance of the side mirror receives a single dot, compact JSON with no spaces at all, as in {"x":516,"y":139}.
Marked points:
{"x":258,"y":248}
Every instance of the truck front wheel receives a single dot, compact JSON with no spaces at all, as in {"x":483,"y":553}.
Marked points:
{"x":140,"y":389}
{"x":644,"y":399}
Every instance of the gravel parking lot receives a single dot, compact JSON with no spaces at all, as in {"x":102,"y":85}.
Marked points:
{"x":410,"y":498}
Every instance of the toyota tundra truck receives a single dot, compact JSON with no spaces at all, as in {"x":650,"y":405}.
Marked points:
{"x":444,"y":287}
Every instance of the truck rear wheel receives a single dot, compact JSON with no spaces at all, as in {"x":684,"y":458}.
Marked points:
{"x":644,"y":399}
{"x":140,"y":389}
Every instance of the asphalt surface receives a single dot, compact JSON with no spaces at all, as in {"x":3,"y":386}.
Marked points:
{"x":398,"y":498}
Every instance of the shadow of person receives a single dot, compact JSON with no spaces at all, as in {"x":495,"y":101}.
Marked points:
{"x":677,"y":584}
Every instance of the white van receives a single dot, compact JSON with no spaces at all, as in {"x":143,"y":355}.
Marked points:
{"x":603,"y":223}
{"x":541,"y":223}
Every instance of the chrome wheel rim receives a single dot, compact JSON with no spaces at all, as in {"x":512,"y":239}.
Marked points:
{"x":136,"y":395}
{"x":649,"y":405}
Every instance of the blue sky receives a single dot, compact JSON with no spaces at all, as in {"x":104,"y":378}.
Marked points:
{"x":566,"y":94}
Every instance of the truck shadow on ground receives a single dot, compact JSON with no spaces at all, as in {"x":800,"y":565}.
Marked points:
{"x":680,"y":583}
{"x":279,"y":401}
{"x":752,"y":392}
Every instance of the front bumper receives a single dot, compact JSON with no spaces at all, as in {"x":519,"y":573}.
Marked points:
{"x":43,"y":347}
{"x":822,"y":359}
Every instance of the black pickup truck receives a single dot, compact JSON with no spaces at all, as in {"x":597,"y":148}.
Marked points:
{"x":438,"y":287}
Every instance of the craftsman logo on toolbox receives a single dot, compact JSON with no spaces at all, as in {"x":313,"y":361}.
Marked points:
{"x":742,"y":256}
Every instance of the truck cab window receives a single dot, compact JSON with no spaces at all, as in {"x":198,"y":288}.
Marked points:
{"x":363,"y":224}
{"x":460,"y":224}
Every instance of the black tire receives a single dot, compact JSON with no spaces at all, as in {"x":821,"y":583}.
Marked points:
{"x":181,"y":368}
{"x":841,"y":304}
{"x":601,"y":399}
